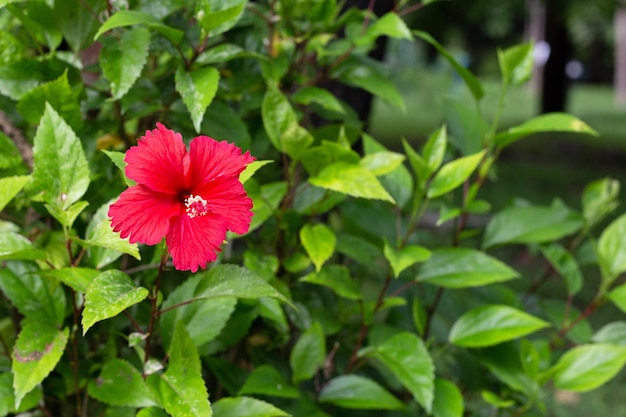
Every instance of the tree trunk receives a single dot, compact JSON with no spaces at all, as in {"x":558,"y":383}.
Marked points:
{"x":619,"y":79}
{"x":555,"y":83}
{"x":535,"y":32}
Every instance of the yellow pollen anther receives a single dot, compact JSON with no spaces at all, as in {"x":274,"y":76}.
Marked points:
{"x":196,"y":206}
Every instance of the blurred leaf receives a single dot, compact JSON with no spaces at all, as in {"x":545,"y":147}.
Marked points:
{"x":565,"y":264}
{"x":224,"y":53}
{"x":462,"y":268}
{"x":618,"y":297}
{"x":390,"y":25}
{"x":337,"y":278}
{"x":351,"y":179}
{"x":494,"y":400}
{"x":319,"y":242}
{"x":453,"y":174}
{"x":421,"y":169}
{"x":118,"y":159}
{"x":401,"y":259}
{"x":503,"y":361}
{"x":9,"y":187}
{"x":77,"y":22}
{"x":197,"y":89}
{"x":150,"y":412}
{"x":448,"y":399}
{"x":435,"y":149}
{"x":266,"y":380}
{"x":11,"y":50}
{"x":180,"y":390}
{"x":613,"y":333}
{"x":9,"y":154}
{"x":245,"y":407}
{"x":599,"y":199}
{"x":516,"y":63}
{"x":468,"y":128}
{"x":37,"y":351}
{"x":131,"y":17}
{"x":550,"y":122}
{"x":308,"y":353}
{"x":109,"y":294}
{"x":587,"y":367}
{"x":357,"y":392}
{"x":224,"y":123}
{"x":60,"y":168}
{"x":492,"y":324}
{"x":406,"y":356}
{"x":217,"y":16}
{"x":612,"y":248}
{"x":251,"y":168}
{"x":265,"y":199}
{"x":531,"y":224}
{"x":107,"y":388}
{"x":123,"y":59}
{"x":382,"y":162}
{"x":308,"y":95}
{"x":78,"y":279}
{"x":472,"y":83}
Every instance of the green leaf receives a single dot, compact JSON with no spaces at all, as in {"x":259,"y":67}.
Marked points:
{"x":337,"y":278}
{"x":611,"y":248}
{"x":14,"y":246}
{"x":118,"y":159}
{"x":226,"y":52}
{"x":245,"y":407}
{"x":151,"y":412}
{"x":132,"y":393}
{"x":421,"y":169}
{"x":587,"y":367}
{"x":504,"y":362}
{"x":197,"y":88}
{"x":357,"y":392}
{"x":382,"y":162}
{"x":68,"y":216}
{"x":531,"y":224}
{"x":281,"y":124}
{"x":401,"y":259}
{"x":122,"y":60}
{"x":516,"y":63}
{"x":599,"y":199}
{"x":309,"y":95}
{"x":181,"y":390}
{"x":9,"y":187}
{"x":251,"y":168}
{"x":448,"y":399}
{"x":351,"y":179}
{"x":319,"y":242}
{"x":406,"y":356}
{"x":550,"y":122}
{"x":308,"y":353}
{"x":265,"y":199}
{"x":227,"y":280}
{"x":471,"y":81}
{"x":109,"y":294}
{"x":453,"y":174}
{"x":613,"y":333}
{"x":9,"y":154}
{"x":78,"y":279}
{"x":565,"y":264}
{"x":618,"y":297}
{"x":131,"y":17}
{"x":60,"y":169}
{"x":492,"y":324}
{"x":266,"y":380}
{"x":435,"y":149}
{"x":77,"y":23}
{"x":390,"y":25}
{"x":58,"y":94}
{"x":469,"y":131}
{"x":37,"y":351}
{"x":462,"y":268}
{"x":494,"y":400}
{"x":216,"y":16}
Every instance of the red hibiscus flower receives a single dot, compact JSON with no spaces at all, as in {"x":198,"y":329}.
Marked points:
{"x":190,"y":197}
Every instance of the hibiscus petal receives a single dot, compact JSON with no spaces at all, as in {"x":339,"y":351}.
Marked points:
{"x":194,"y":242}
{"x":227,"y":198}
{"x":160,"y":161}
{"x":210,"y":159}
{"x":143,"y":215}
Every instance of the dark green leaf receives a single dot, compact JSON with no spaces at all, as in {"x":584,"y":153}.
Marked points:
{"x":246,"y":407}
{"x":587,"y":367}
{"x":197,"y":88}
{"x":448,"y":399}
{"x":266,"y":380}
{"x":493,"y":324}
{"x":308,"y":354}
{"x":224,"y":53}
{"x":265,"y":199}
{"x":308,"y":95}
{"x":122,"y":60}
{"x":468,"y":129}
{"x":216,"y":16}
{"x":565,"y":264}
{"x":108,"y":389}
{"x":131,"y":17}
{"x":354,"y":391}
{"x":337,"y":278}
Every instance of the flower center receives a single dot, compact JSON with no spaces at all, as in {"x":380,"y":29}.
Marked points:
{"x":196,"y":206}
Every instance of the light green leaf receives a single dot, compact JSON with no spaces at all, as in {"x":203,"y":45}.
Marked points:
{"x":68,"y":216}
{"x":319,"y":242}
{"x":618,"y":297}
{"x":319,"y":96}
{"x":9,"y":187}
{"x":382,"y":162}
{"x":587,"y":367}
{"x":492,"y":324}
{"x":118,"y":159}
{"x":453,"y":174}
{"x":357,"y":392}
{"x":550,"y":122}
{"x":516,"y":63}
{"x":448,"y":399}
{"x":60,"y":169}
{"x":108,"y":389}
{"x":337,"y":278}
{"x":245,"y":407}
{"x":308,"y":353}
{"x":181,"y":390}
{"x":9,"y":154}
{"x":565,"y":264}
{"x":251,"y":168}
{"x":109,"y":294}
{"x":216,"y":16}
{"x":531,"y":224}
{"x":612,"y":248}
{"x":131,"y":17}
{"x":78,"y":279}
{"x":390,"y":25}
{"x":435,"y":149}
{"x":599,"y":199}
{"x":401,"y":259}
{"x":613,"y":333}
{"x":122,"y":60}
{"x":471,"y":81}
{"x":14,"y":246}
{"x":494,"y":400}
{"x":37,"y":351}
{"x":151,"y":412}
{"x":406,"y":356}
{"x":351,"y":179}
{"x":227,"y":280}
{"x":197,"y":88}
{"x":462,"y":268}
{"x":266,"y":380}
{"x":421,"y":169}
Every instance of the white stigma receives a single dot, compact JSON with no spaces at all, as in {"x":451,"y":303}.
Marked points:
{"x":196,"y":206}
